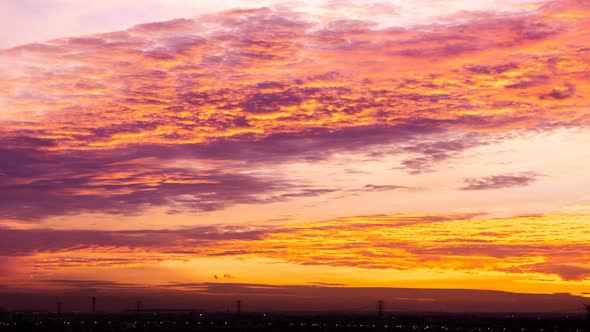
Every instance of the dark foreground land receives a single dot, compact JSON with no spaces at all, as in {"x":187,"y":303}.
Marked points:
{"x":195,"y":321}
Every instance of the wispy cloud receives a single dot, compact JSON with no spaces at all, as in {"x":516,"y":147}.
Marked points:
{"x":501,"y":181}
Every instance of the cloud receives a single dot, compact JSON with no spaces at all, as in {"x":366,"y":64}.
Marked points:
{"x":91,"y":284}
{"x":307,"y":193}
{"x":432,"y":153}
{"x":243,"y":90}
{"x":500,"y":181}
{"x":40,"y":190}
{"x":372,"y":187}
{"x":453,"y":242}
{"x":28,"y":242}
{"x":565,"y":271}
{"x":128,"y":181}
{"x":567,"y":91}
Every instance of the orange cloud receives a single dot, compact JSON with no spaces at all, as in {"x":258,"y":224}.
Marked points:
{"x":268,"y":85}
{"x":536,"y":245}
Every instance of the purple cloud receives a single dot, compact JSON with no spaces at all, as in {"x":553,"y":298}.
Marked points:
{"x":372,"y":187}
{"x":501,"y":181}
{"x":260,"y":87}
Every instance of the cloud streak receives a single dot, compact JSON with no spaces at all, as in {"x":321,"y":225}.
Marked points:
{"x":500,"y":181}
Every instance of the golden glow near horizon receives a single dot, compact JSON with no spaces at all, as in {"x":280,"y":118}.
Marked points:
{"x":535,"y":254}
{"x":279,"y":146}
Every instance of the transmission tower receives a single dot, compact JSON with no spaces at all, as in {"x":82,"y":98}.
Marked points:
{"x":380,"y":308}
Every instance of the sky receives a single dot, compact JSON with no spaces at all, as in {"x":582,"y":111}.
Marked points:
{"x":295,"y":155}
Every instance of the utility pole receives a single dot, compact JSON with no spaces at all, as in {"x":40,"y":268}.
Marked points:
{"x":238,"y":307}
{"x":94,"y":304}
{"x":59,"y":308}
{"x":380,"y":308}
{"x":138,"y":306}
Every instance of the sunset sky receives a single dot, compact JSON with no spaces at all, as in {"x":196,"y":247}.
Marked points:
{"x":295,"y":154}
